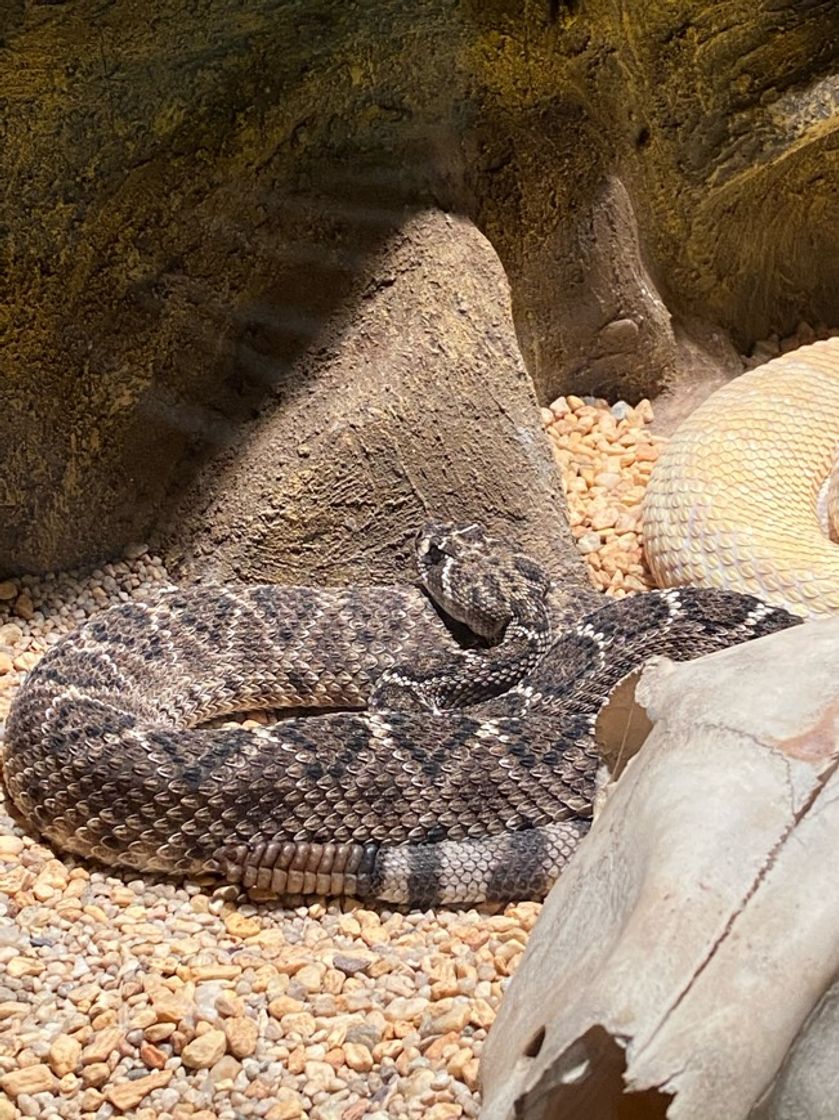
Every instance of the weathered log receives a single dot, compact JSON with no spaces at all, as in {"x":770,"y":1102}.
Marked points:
{"x":684,"y":965}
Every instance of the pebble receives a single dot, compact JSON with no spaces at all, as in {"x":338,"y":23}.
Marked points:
{"x":130,"y":1093}
{"x":30,"y":1079}
{"x":242,"y":1036}
{"x":64,"y":1054}
{"x":205,"y":1050}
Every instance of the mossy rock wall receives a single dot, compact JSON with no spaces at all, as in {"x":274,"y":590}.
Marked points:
{"x":194,"y":193}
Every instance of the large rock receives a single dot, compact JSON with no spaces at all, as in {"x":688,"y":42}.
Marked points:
{"x":191,"y":197}
{"x":418,"y":405}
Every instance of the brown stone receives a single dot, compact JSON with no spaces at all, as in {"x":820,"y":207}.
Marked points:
{"x":205,"y":1050}
{"x":31,"y":1079}
{"x":151,"y":1056}
{"x":130,"y":1093}
{"x":242,"y":1036}
{"x":64,"y":1055}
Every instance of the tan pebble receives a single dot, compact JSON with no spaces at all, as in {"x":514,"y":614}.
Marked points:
{"x":242,"y":1035}
{"x":8,"y":590}
{"x":603,"y":518}
{"x":481,"y":1013}
{"x":418,"y":1084}
{"x":287,"y":1106}
{"x":296,"y":1061}
{"x":10,"y":634}
{"x":358,"y":1057}
{"x":24,"y":966}
{"x":95,"y":912}
{"x":588,"y":542}
{"x":6,"y":663}
{"x":320,"y":1077}
{"x":608,"y":480}
{"x":647,"y":453}
{"x":10,"y":846}
{"x":463,"y":1065}
{"x":7,"y":1110}
{"x":24,"y":607}
{"x":374,"y":935}
{"x":227,"y":1004}
{"x":102,"y":1046}
{"x":96,"y":1074}
{"x":205,"y":1050}
{"x":214,"y":972}
{"x":68,"y":1084}
{"x":130,"y":1093}
{"x":33,"y":1079}
{"x":225,"y":1071}
{"x":334,"y":1056}
{"x":143,"y":1017}
{"x":547,"y":417}
{"x":91,"y":1100}
{"x":357,"y":1111}
{"x":391,"y":1049}
{"x":157,"y":1032}
{"x":170,"y":1007}
{"x":443,"y":1110}
{"x":151,"y":1056}
{"x":440,"y":1045}
{"x":311,"y":977}
{"x":64,"y":1054}
{"x":237,"y":925}
{"x":284,"y":1005}
{"x":349,"y":925}
{"x":300,"y":1023}
{"x":10,"y":1007}
{"x":411,"y":1010}
{"x":453,"y":1018}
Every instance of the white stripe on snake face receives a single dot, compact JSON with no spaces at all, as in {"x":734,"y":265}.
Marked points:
{"x":380,"y":729}
{"x":446,"y":577}
{"x":597,"y":637}
{"x":759,"y":613}
{"x":673,"y":599}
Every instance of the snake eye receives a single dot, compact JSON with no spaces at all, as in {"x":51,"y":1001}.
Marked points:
{"x":433,"y":554}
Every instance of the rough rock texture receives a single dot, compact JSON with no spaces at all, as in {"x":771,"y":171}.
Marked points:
{"x":417,"y":406}
{"x":191,"y":197}
{"x":708,"y":987}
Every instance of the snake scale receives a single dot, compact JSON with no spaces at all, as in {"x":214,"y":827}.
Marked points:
{"x":746,"y":493}
{"x":439,"y":770}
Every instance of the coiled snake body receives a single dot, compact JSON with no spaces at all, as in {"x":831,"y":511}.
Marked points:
{"x":457,"y":774}
{"x":746,"y":494}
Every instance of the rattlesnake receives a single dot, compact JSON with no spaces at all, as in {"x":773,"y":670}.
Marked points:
{"x":743,"y":497}
{"x":469,"y":774}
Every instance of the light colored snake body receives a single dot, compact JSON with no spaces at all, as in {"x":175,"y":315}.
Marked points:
{"x":740,"y":497}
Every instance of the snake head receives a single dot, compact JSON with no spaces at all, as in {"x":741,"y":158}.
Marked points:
{"x":479,"y":580}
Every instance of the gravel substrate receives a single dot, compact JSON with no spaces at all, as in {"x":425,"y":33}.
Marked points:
{"x":120,"y":994}
{"x":606,"y":454}
{"x":164,"y":1000}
